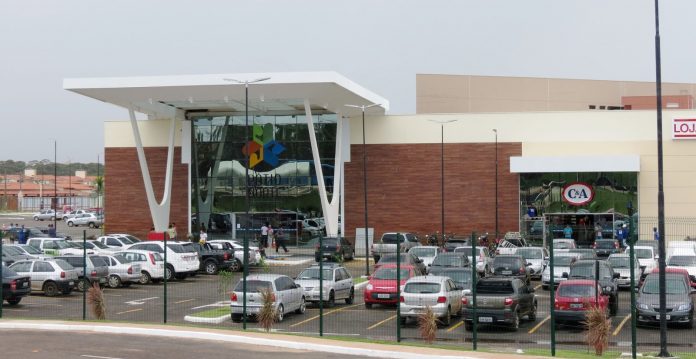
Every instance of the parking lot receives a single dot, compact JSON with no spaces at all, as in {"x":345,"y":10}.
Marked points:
{"x":145,"y":303}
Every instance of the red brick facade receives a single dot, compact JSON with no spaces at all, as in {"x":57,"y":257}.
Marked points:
{"x":125,"y":202}
{"x":404,"y":187}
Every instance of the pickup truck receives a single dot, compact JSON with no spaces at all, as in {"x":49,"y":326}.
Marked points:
{"x":510,"y":245}
{"x":500,"y":301}
{"x":212,"y":260}
{"x":388,"y":244}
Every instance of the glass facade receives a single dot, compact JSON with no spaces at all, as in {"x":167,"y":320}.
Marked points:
{"x":282,"y":179}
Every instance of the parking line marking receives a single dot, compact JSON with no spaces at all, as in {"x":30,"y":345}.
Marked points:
{"x":618,"y":328}
{"x":455,"y":326}
{"x":97,"y":357}
{"x":536,"y":327}
{"x":329,"y":312}
{"x":382,"y":322}
{"x":130,"y":311}
{"x":537,"y":287}
{"x":184,"y":301}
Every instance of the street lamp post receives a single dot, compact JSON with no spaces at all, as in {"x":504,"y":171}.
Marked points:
{"x":495,"y":130}
{"x":246,"y":197}
{"x":442,"y":174}
{"x":55,"y":185}
{"x":364,"y":158}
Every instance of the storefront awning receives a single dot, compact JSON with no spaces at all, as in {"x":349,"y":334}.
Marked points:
{"x":533,"y":164}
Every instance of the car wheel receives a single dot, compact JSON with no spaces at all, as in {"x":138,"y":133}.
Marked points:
{"x":36,"y":218}
{"x":70,"y":224}
{"x":145,"y":277}
{"x":114,"y":281}
{"x":236,"y":266}
{"x":516,"y":321}
{"x":169,"y":272}
{"x":302,"y":308}
{"x":281,"y":313}
{"x":211,"y":267}
{"x":91,"y":225}
{"x":332,"y":299}
{"x":447,"y":319}
{"x":83,"y":284}
{"x":53,"y":218}
{"x":50,"y":289}
{"x":614,"y":307}
{"x":236,"y":318}
{"x":689,"y":324}
{"x":14,"y":301}
{"x":403,"y":320}
{"x":351,"y":296}
{"x":533,"y":314}
{"x":368,"y":305}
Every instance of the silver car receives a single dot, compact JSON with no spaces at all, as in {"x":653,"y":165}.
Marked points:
{"x":49,"y":276}
{"x":97,"y":270}
{"x":536,"y":257}
{"x":438,"y":293}
{"x":288,"y":296}
{"x":622,"y":264}
{"x":45,"y":215}
{"x":425,"y":253}
{"x":483,"y":260}
{"x":337,"y":284}
{"x":86,"y":219}
{"x":122,"y":271}
{"x":561,"y":264}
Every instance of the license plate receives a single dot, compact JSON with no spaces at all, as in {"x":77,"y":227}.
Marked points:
{"x":576,"y":305}
{"x":383,"y":296}
{"x":485,"y":319}
{"x":667,"y":317}
{"x":507,"y":272}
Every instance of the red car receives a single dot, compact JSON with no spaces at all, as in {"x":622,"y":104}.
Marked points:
{"x":381,"y":289}
{"x":575,"y":296}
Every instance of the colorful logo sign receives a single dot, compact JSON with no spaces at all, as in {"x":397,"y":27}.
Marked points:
{"x":684,"y":128}
{"x":577,"y":194}
{"x":263,"y":151}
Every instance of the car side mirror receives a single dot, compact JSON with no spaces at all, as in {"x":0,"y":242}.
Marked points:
{"x":565,"y":275}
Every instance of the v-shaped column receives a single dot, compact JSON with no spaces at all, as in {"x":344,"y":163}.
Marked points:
{"x":158,"y":211}
{"x":330,"y":209}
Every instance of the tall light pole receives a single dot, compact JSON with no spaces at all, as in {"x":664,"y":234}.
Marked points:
{"x":246,"y":190}
{"x":660,"y":193}
{"x":55,"y":185}
{"x":495,"y":130}
{"x":442,"y":173}
{"x":364,"y":158}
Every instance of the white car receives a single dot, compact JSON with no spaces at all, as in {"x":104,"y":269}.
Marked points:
{"x":621,"y":263}
{"x":483,"y":260}
{"x":646,"y":257}
{"x":55,"y":246}
{"x":181,"y":261}
{"x":151,"y":264}
{"x":536,"y":257}
{"x":115,"y":242}
{"x":254,"y":254}
{"x":337,"y":283}
{"x":438,"y":293}
{"x":425,"y":253}
{"x":122,"y":271}
{"x":687,"y":262}
{"x":288,"y":296}
{"x":561,"y":264}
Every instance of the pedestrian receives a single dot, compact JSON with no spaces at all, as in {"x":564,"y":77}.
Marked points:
{"x":21,"y":236}
{"x":51,"y":231}
{"x":621,"y":235}
{"x":598,"y":231}
{"x":568,"y":232}
{"x":656,"y":234}
{"x":280,"y":239}
{"x":174,"y":232}
{"x":264,"y":235}
{"x":203,"y":237}
{"x":171,"y":232}
{"x":271,"y":237}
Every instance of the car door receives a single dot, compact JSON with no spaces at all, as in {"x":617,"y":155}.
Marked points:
{"x":524,"y":297}
{"x":24,"y":269}
{"x":338,"y":284}
{"x":281,"y":292}
{"x":346,"y":282}
{"x":294,"y":293}
{"x":41,"y":271}
{"x":454,"y":296}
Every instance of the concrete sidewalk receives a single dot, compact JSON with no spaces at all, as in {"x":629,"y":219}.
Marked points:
{"x":259,"y":338}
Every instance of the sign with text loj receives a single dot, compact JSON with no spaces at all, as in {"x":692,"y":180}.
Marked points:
{"x":684,"y":129}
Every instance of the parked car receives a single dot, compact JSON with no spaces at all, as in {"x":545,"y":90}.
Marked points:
{"x":453,"y":243}
{"x":381,"y":287}
{"x":425,"y":253}
{"x":536,"y":258}
{"x":676,"y":270}
{"x":647,"y":242}
{"x":181,"y":261}
{"x":86,"y":219}
{"x":441,"y":294}
{"x":509,"y":244}
{"x":621,"y":263}
{"x":129,"y":237}
{"x":585,"y":253}
{"x":45,"y":215}
{"x":679,"y":303}
{"x":337,"y":284}
{"x":686,"y":262}
{"x":74,"y":214}
{"x":11,"y":254}
{"x":29,"y":251}
{"x":606,"y":247}
{"x":48,"y":276}
{"x":287,"y":296}
{"x":575,"y":297}
{"x":97,"y":270}
{"x":238,"y":248}
{"x":54,"y":246}
{"x":585,"y":269}
{"x":116,"y":242}
{"x":500,"y":301}
{"x":14,"y":286}
{"x":338,"y":249}
{"x":406,"y":259}
{"x":213,"y":260}
{"x":389,"y":243}
{"x":646,"y":257}
{"x":122,"y":271}
{"x":511,"y":266}
{"x":449,"y":260}
{"x":561,"y":264}
{"x":564,"y":243}
{"x":151,"y":264}
{"x":460,"y":276}
{"x":483,"y":260}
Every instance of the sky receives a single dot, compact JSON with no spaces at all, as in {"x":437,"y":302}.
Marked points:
{"x":379,"y":44}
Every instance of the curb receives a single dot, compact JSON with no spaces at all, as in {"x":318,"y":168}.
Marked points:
{"x":361,"y":284}
{"x":216,"y":320}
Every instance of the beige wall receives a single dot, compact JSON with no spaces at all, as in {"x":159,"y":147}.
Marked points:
{"x":465,"y":93}
{"x":153,"y":133}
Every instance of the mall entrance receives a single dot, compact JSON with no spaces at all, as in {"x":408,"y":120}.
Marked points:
{"x":584,"y":228}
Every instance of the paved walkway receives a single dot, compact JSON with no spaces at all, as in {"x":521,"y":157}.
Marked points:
{"x":259,"y":338}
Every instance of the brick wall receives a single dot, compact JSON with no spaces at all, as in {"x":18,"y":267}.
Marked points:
{"x":125,"y":201}
{"x":404,"y":187}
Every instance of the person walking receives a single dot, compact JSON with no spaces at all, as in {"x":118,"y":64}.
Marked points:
{"x":21,"y":236}
{"x":656,"y":234}
{"x":203,"y":237}
{"x":280,"y":239}
{"x":568,"y":232}
{"x":264,"y":235}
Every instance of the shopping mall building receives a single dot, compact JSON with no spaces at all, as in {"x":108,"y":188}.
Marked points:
{"x":576,"y":152}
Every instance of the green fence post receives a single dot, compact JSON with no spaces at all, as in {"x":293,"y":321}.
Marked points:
{"x":321,"y":285}
{"x":165,"y":277}
{"x":84,"y":271}
{"x":552,"y":296}
{"x":398,"y":288}
{"x":474,"y":274}
{"x":632,"y":258}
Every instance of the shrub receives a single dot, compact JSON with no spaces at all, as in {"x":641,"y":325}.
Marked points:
{"x":427,"y":325}
{"x":267,"y":315}
{"x":598,"y":327}
{"x":95,"y":297}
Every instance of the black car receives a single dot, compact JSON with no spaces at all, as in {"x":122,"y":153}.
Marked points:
{"x":585,"y":269}
{"x":213,"y":260}
{"x":606,"y":247}
{"x":14,"y":286}
{"x":511,"y":266}
{"x":338,"y":249}
{"x":449,"y":260}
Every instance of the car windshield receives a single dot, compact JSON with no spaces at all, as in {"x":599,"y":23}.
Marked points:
{"x":604,"y":244}
{"x":13,"y":250}
{"x":178,"y":248}
{"x":529,"y":253}
{"x":313,"y":273}
{"x":494,"y":287}
{"x":619,"y":262}
{"x":7,"y":272}
{"x":121,"y":259}
{"x":391,"y":238}
{"x":31,"y":250}
{"x":62,"y":244}
{"x":505,"y":261}
{"x":459,"y":276}
{"x":422,"y":288}
{"x":424,"y":252}
{"x":389,"y":273}
{"x":563,"y":261}
{"x":99,"y":245}
{"x":64,"y":265}
{"x":456,"y":243}
{"x":132,"y":239}
{"x":515,"y":242}
{"x":448,"y":261}
{"x":98,"y":261}
{"x":254,"y":286}
{"x":576,"y":291}
{"x":562,"y":245}
{"x":391,"y":258}
{"x":643,"y":253}
{"x":673,"y":286}
{"x":682,"y":261}
{"x":158,"y":257}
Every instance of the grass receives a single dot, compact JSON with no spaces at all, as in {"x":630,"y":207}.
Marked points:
{"x":213,"y":313}
{"x":357,"y":280}
{"x":572,"y":354}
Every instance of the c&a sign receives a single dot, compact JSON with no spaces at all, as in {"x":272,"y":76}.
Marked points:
{"x":577,"y":194}
{"x":684,"y":129}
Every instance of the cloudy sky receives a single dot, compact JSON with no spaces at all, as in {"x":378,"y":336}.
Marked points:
{"x":379,"y":44}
